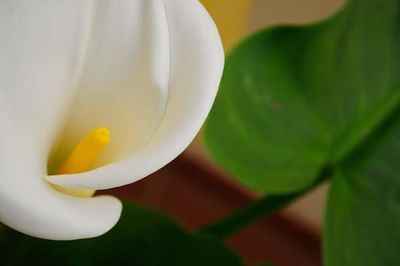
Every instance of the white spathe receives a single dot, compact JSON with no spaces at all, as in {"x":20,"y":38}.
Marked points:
{"x":146,"y":69}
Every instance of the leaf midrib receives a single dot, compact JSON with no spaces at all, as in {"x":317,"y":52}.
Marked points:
{"x":375,"y":120}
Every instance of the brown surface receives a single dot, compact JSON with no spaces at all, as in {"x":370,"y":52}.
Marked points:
{"x":195,"y":195}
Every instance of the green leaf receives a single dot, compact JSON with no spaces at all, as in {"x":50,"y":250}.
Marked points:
{"x":296,"y":100}
{"x":142,"y":237}
{"x":363,"y":211}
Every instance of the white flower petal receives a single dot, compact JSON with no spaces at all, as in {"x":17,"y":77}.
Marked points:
{"x":125,"y":77}
{"x":41,"y":48}
{"x":196,"y":68}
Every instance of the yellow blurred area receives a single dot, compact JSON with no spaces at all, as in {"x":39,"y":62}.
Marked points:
{"x":231,"y":17}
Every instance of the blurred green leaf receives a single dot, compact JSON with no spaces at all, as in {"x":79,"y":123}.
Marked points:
{"x":295,"y":100}
{"x":363,"y":211}
{"x":142,"y":237}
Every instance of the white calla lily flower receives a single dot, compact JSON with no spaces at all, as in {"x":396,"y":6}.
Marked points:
{"x":148,"y":70}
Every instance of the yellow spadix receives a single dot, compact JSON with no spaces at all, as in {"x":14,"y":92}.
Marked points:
{"x":82,"y":158}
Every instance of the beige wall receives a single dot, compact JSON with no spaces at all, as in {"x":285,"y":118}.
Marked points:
{"x":272,"y":12}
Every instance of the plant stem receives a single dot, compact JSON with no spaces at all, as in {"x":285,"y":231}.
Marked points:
{"x":248,"y":215}
{"x":257,"y":210}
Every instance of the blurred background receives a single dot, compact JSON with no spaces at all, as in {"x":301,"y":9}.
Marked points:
{"x":195,"y":192}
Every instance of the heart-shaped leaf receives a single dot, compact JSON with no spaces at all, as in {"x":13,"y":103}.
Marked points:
{"x":295,"y":100}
